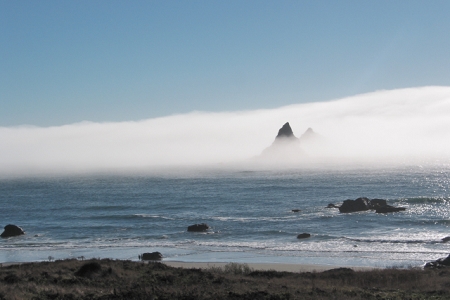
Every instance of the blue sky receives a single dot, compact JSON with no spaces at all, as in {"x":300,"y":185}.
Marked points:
{"x":107,"y":61}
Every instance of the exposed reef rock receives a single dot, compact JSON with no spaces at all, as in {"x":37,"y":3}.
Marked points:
{"x":360,"y":204}
{"x":303,"y":235}
{"x":375,"y":203}
{"x":439,"y":263}
{"x":151,"y":256}
{"x":446,"y":239}
{"x":388,"y":209}
{"x":363,"y":204}
{"x":12,"y":230}
{"x":198,"y":227}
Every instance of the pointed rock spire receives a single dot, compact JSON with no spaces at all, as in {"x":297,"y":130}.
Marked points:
{"x":285,"y":131}
{"x":309,"y":133}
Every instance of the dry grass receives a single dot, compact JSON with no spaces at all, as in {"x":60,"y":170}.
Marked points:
{"x":115,"y":279}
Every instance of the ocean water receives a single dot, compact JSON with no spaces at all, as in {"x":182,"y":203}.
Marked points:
{"x":120,"y":216}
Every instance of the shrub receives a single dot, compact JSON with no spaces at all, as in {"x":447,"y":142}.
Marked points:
{"x":235,"y":268}
{"x":88,"y":269}
{"x":11,"y":278}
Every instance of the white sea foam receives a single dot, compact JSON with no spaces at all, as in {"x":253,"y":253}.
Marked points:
{"x":154,"y":216}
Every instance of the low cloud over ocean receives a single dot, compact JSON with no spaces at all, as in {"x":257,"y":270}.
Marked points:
{"x":404,"y":124}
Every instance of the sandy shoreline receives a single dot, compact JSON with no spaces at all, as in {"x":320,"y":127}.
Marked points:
{"x":256,"y":266}
{"x":279,"y":267}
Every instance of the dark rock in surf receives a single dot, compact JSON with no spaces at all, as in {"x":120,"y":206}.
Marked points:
{"x":303,"y":235}
{"x":439,"y":263}
{"x":198,"y":227}
{"x":12,"y":230}
{"x":446,"y":239}
{"x":388,"y":209}
{"x":151,"y":256}
{"x":360,"y":204}
{"x":363,"y":204}
{"x":374,"y":203}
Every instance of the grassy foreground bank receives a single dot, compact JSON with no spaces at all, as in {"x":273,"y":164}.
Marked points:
{"x":116,"y":279}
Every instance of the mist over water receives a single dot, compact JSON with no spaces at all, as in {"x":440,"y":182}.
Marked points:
{"x":380,"y":127}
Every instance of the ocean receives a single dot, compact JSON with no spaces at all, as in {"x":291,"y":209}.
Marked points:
{"x":122,"y":215}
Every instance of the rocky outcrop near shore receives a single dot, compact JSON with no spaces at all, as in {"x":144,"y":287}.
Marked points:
{"x":12,"y":230}
{"x":360,"y":204}
{"x":364,"y":204}
{"x":445,"y":239}
{"x":439,"y":263}
{"x":151,"y":256}
{"x":388,"y":209}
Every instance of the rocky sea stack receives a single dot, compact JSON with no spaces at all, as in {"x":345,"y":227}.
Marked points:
{"x":288,"y":149}
{"x":284,"y":149}
{"x":285,"y":132}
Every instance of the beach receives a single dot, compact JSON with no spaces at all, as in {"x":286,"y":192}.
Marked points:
{"x":278,"y":267}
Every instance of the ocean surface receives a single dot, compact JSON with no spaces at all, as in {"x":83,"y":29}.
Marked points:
{"x":120,"y":216}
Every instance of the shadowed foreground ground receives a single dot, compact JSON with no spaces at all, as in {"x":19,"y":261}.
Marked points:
{"x":116,"y":279}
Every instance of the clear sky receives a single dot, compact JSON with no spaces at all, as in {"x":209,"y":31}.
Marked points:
{"x":106,"y":61}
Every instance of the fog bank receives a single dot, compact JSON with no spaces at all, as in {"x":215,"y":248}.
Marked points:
{"x":384,"y":125}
